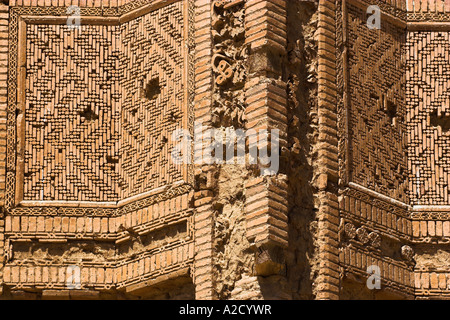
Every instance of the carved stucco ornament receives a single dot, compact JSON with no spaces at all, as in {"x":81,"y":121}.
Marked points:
{"x":375,"y":239}
{"x":362,"y":235}
{"x":407,"y":253}
{"x":350,"y":230}
{"x":222,"y":68}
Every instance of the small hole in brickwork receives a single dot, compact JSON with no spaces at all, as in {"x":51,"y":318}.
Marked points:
{"x":173,"y":116}
{"x":153,"y":89}
{"x":390,"y":108}
{"x":442,"y":121}
{"x":88,"y":114}
{"x":112,"y":160}
{"x":38,"y":125}
{"x":373,"y":95}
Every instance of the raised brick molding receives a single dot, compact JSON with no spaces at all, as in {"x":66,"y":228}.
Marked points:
{"x":266,"y":205}
{"x":4,"y":15}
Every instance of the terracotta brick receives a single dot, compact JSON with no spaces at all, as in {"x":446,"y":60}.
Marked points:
{"x":365,"y":118}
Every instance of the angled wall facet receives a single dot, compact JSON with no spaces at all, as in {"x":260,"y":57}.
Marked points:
{"x":91,"y":113}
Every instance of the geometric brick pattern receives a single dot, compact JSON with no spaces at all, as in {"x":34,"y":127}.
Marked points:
{"x":127,"y":94}
{"x":398,"y":122}
{"x":4,"y":16}
{"x":153,"y":50}
{"x":428,"y":98}
{"x":378,"y":134}
{"x":95,"y":130}
{"x":413,"y":10}
{"x":72,"y":114}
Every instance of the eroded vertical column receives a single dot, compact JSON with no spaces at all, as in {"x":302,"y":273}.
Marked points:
{"x":204,"y":232}
{"x":266,"y":205}
{"x":327,"y":282}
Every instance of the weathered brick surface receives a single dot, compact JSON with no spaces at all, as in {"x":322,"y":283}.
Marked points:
{"x":3,"y":128}
{"x":74,"y":142}
{"x":413,"y":211}
{"x":85,"y":140}
{"x":327,"y":285}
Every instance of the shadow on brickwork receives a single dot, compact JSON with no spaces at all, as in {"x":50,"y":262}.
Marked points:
{"x":300,"y":71}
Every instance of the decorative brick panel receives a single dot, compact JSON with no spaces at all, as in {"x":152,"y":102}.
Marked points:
{"x":374,"y":199}
{"x":427,"y":111}
{"x":93,"y":119}
{"x":85,"y":146}
{"x":415,"y":211}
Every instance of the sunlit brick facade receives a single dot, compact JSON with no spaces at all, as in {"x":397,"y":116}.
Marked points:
{"x":93,"y":205}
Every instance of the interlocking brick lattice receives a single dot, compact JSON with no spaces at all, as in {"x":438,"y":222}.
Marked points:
{"x":72,"y":113}
{"x":428,"y":98}
{"x":101,"y":104}
{"x":153,"y":98}
{"x":377,"y":106}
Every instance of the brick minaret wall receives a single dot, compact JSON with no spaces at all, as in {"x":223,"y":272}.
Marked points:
{"x":105,"y":225}
{"x":380,"y":175}
{"x":415,"y":211}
